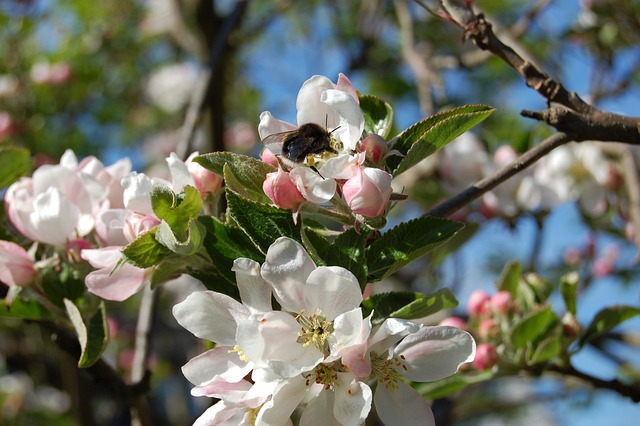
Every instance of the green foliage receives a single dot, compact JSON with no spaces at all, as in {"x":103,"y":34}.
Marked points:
{"x":145,"y":251}
{"x":568,"y":286}
{"x":405,"y":243}
{"x":407,"y":305}
{"x":429,"y":135}
{"x":533,"y":326}
{"x":607,"y":319}
{"x":16,"y":162}
{"x":348,"y":251}
{"x":378,"y":115}
{"x":93,"y":334}
{"x":242,"y":174}
{"x":24,"y":309}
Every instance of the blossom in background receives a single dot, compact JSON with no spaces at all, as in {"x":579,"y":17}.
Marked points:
{"x":170,"y":86}
{"x":16,"y":266}
{"x":318,"y":353}
{"x":59,"y":202}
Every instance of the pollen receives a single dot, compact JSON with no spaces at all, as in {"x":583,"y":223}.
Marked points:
{"x":241,"y":354}
{"x":386,"y":370}
{"x":324,"y":374}
{"x":315,"y":331}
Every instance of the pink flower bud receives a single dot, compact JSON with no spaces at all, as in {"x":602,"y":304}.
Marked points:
{"x":376,"y":148}
{"x":602,"y":267}
{"x":206,"y":181}
{"x":455,"y":322}
{"x":486,"y":356}
{"x":269,"y":157}
{"x":478,"y":303}
{"x":282,"y":191}
{"x":502,"y":302}
{"x":137,"y":224}
{"x":16,"y":266}
{"x":487,"y":329}
{"x":7,"y":125}
{"x":368,"y":191}
{"x":572,"y":256}
{"x":570,"y":326}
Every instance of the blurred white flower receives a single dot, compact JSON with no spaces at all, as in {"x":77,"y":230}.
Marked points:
{"x":170,"y":86}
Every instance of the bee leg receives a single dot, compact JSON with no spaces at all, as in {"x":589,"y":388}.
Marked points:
{"x":316,"y":170}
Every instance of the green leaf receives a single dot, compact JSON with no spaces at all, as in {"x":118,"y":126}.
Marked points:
{"x":568,"y":286}
{"x":24,"y":309}
{"x":407,"y":242}
{"x":262,"y":223}
{"x":348,"y":251}
{"x":547,"y":349}
{"x":92,"y":335}
{"x":541,"y":287}
{"x":16,"y":162}
{"x":245,"y":175}
{"x":429,"y":135}
{"x":607,"y":319}
{"x":166,"y":270}
{"x":224,"y":243}
{"x":532,"y":326}
{"x":176,"y":211}
{"x":378,"y":115}
{"x":451,"y":384}
{"x":194,"y":236}
{"x":510,"y":278}
{"x":63,"y":282}
{"x":427,"y":305}
{"x":145,"y":251}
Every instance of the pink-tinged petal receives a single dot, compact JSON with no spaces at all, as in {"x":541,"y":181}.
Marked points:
{"x":211,"y":316}
{"x":16,"y":266}
{"x":221,"y":414}
{"x":353,"y":400}
{"x":402,"y":406}
{"x":270,"y":126}
{"x":110,"y":225}
{"x":349,"y":341}
{"x":333,"y":290}
{"x":255,"y":292}
{"x":433,"y":353}
{"x":219,"y":363}
{"x":18,"y":204}
{"x":230,"y":392}
{"x":345,"y":85}
{"x":287,"y":267}
{"x":390,"y":332}
{"x":351,"y":119}
{"x":368,"y":191}
{"x":270,"y":340}
{"x":282,"y":191}
{"x":118,"y":285}
{"x":314,"y":188}
{"x":343,"y":166}
{"x":319,"y":411}
{"x":286,"y":397}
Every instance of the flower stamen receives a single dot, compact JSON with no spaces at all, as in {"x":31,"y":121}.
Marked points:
{"x":315,"y":330}
{"x":386,"y":370}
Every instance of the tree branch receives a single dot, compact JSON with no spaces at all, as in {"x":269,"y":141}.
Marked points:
{"x":624,"y":389}
{"x":488,"y":183}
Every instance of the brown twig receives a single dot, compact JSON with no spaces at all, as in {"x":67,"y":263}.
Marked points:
{"x":488,"y":183}
{"x":625,"y":389}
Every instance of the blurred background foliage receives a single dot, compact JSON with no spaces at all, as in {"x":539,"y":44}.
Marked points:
{"x":117,"y":78}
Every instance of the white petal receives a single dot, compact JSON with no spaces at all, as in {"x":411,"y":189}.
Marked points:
{"x":391,"y":331}
{"x":270,"y":340}
{"x":255,"y":292}
{"x":220,"y":414}
{"x":137,"y":192}
{"x":310,"y":108}
{"x":352,"y":401}
{"x":314,"y":188}
{"x":343,"y":166}
{"x":54,"y":218}
{"x":402,"y":406}
{"x":180,"y":176}
{"x":349,"y":341}
{"x":229,"y":392}
{"x":350,"y":116}
{"x":286,"y":268}
{"x":286,"y":397}
{"x":211,"y":316}
{"x":270,"y":126}
{"x":218,"y":363}
{"x":333,"y":290}
{"x":317,"y":411}
{"x":433,"y":353}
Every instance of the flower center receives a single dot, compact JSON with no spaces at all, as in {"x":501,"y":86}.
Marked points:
{"x":324,"y":374}
{"x":241,"y":354}
{"x":386,"y":369}
{"x":315,"y":330}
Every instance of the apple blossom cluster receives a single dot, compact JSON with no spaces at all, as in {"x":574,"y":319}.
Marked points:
{"x":317,"y":353}
{"x":574,"y":172}
{"x":365,"y":190}
{"x":84,"y":210}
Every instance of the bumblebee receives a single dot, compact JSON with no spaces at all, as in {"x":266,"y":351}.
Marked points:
{"x":301,"y":144}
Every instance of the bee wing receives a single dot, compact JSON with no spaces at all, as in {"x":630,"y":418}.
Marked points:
{"x":274,"y":142}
